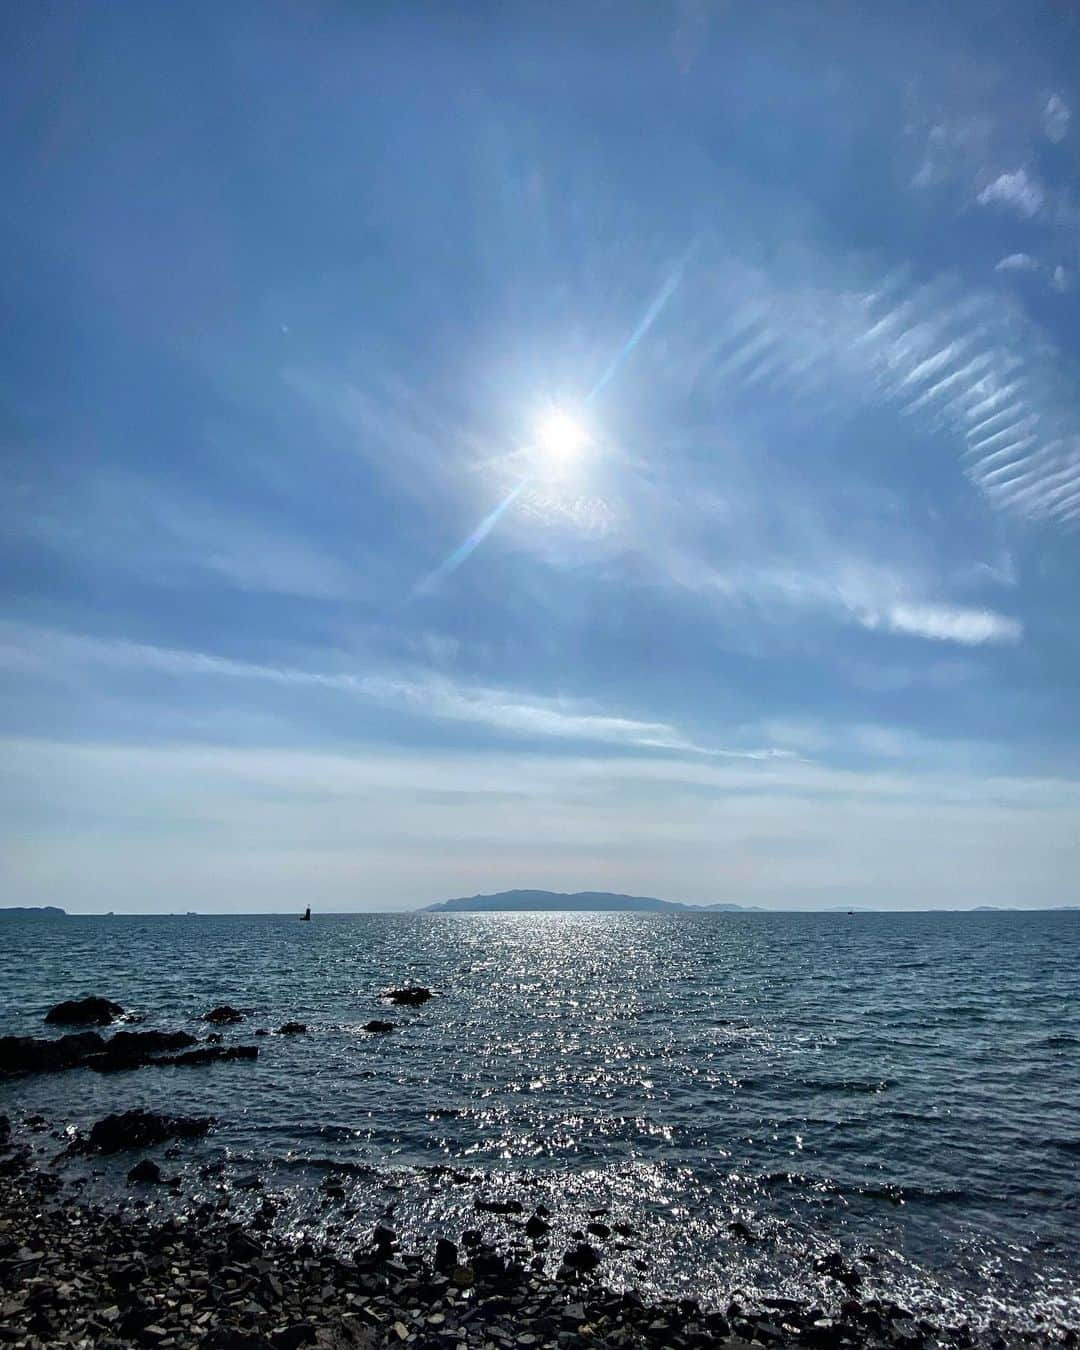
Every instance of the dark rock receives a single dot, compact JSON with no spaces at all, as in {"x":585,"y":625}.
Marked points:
{"x":89,"y":1011}
{"x":5,"y":1131}
{"x":243,"y":1247}
{"x":215,"y":1038}
{"x":376,"y":1025}
{"x":582,"y":1257}
{"x":27,"y":1054}
{"x":127,"y":1043}
{"x":600,"y":1230}
{"x":383,"y":1241}
{"x":499,"y":1206}
{"x":446,"y":1255}
{"x":134,"y":1049}
{"x":741,"y":1231}
{"x":222,"y":1016}
{"x":537,"y":1227}
{"x":291,"y":1029}
{"x":410,"y":997}
{"x":293,"y":1336}
{"x":145,"y":1171}
{"x":262,"y":1031}
{"x":143,"y":1129}
{"x":488,"y":1265}
{"x":834,"y":1265}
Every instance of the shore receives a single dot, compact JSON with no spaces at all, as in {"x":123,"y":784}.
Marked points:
{"x":80,"y":1275}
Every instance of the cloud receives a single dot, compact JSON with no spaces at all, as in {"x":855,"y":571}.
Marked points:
{"x":390,"y":829}
{"x":1017,"y":262}
{"x":946,"y":623}
{"x":961,"y":362}
{"x":112,"y":519}
{"x":1015,"y":191}
{"x":513,"y":712}
{"x":1060,"y":279}
{"x":871,"y":595}
{"x":1055,"y":118}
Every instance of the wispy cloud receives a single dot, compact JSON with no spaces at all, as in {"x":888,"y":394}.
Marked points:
{"x":1018,"y":191}
{"x":1017,"y":262}
{"x":169,"y":535}
{"x":850,"y":590}
{"x":1055,"y":118}
{"x":960,"y":361}
{"x":947,"y":623}
{"x":512,"y":712}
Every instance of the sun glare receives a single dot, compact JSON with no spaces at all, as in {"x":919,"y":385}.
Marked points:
{"x":560,"y":437}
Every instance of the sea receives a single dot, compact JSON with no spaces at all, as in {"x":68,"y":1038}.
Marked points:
{"x":743,"y":1093}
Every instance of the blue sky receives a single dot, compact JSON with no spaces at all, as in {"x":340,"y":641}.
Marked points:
{"x":291,"y":294}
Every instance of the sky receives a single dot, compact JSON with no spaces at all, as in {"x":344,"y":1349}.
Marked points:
{"x":610,"y":446}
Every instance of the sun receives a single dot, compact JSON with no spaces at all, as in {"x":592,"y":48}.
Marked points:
{"x":560,"y":437}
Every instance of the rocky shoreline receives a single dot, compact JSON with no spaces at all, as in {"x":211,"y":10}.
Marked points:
{"x":189,"y":1273}
{"x":79,"y":1275}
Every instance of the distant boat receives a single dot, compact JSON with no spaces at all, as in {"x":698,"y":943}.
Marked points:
{"x":306,"y":916}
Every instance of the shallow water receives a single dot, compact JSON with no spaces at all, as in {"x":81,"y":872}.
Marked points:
{"x":904,"y":1087}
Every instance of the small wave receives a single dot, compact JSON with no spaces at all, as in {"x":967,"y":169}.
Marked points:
{"x":800,"y":1181}
{"x":855,"y":1085}
{"x":918,"y":1195}
{"x":351,"y":1169}
{"x":1071,"y":1146}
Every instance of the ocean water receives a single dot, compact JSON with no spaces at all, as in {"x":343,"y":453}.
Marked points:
{"x":904,"y":1088}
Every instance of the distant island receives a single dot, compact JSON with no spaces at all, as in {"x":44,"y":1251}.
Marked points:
{"x":33,"y":911}
{"x":578,"y":901}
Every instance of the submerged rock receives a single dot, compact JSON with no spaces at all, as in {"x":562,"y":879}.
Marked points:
{"x":291,"y":1029}
{"x":147,"y":1172}
{"x":143,"y":1129}
{"x":499,"y":1206}
{"x":379,"y":1026}
{"x":582,"y":1257}
{"x":410,"y":997}
{"x":210,"y":1054}
{"x":222,"y":1016}
{"x":89,"y":1011}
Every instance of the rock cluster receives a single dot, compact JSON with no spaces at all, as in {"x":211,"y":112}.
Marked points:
{"x":123,"y":1050}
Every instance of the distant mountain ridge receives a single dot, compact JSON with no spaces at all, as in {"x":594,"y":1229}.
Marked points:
{"x":579,"y":901}
{"x":38,"y":911}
